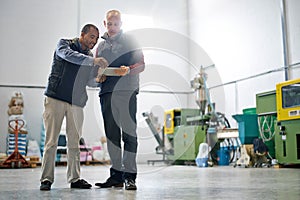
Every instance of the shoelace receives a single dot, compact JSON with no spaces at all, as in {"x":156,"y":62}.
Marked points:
{"x":46,"y":182}
{"x":131,"y":182}
{"x":83,"y":182}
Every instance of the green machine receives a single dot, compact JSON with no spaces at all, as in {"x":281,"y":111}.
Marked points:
{"x":185,"y":129}
{"x":185,"y":133}
{"x":267,"y":115}
{"x":287,"y":142}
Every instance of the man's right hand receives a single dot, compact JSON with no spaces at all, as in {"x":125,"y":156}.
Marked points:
{"x":100,"y":78}
{"x":100,"y":62}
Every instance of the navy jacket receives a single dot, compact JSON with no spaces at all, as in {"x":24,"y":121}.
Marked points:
{"x":70,"y":73}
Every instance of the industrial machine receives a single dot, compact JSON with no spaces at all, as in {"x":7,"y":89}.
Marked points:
{"x":185,"y":133}
{"x":185,"y":129}
{"x":266,"y":121}
{"x":287,"y":131}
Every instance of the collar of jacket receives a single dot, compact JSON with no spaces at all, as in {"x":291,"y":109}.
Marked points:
{"x":76,"y":42}
{"x":105,"y":36}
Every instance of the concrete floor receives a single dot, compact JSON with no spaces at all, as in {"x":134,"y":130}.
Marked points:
{"x":161,"y":182}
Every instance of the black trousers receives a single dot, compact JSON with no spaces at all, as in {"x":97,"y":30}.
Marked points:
{"x":119,"y":115}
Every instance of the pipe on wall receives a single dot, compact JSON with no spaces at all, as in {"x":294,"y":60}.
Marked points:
{"x":284,"y":40}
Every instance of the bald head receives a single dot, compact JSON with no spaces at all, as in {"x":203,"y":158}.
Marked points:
{"x":113,"y":22}
{"x":113,"y":13}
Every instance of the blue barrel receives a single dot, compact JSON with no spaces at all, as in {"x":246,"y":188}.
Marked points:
{"x":223,"y":156}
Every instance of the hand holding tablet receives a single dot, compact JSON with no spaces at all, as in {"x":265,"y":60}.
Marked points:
{"x":111,"y":71}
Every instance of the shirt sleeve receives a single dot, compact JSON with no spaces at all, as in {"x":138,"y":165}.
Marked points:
{"x":64,"y":51}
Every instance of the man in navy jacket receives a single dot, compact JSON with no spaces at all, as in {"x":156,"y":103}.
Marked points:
{"x":66,"y":95}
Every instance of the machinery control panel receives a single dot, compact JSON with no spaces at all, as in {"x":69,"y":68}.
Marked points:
{"x":288,"y":100}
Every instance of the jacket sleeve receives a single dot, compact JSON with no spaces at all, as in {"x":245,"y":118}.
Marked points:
{"x":139,"y":66}
{"x":92,"y":78}
{"x":65,"y":52}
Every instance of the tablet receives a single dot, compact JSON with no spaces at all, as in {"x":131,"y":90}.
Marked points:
{"x":109,"y":71}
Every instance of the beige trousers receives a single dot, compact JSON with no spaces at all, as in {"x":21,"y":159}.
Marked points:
{"x":54,"y":113}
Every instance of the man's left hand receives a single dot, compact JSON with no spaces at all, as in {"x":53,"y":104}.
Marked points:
{"x":122,"y":71}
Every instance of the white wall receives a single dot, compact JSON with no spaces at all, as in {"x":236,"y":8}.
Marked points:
{"x":241,"y":37}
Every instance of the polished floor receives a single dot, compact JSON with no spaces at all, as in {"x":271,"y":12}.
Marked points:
{"x":161,"y":181}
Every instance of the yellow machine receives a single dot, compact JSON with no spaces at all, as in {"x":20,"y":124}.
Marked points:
{"x":288,"y":100}
{"x":287,"y":131}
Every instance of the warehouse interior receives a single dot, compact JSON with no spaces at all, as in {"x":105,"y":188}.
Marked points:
{"x":221,"y":79}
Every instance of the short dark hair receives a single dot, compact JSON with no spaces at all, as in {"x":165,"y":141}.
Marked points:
{"x":87,"y":27}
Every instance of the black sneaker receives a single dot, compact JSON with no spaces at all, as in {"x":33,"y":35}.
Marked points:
{"x":45,"y":185}
{"x":81,"y":184}
{"x":130,"y":184}
{"x":110,"y":183}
